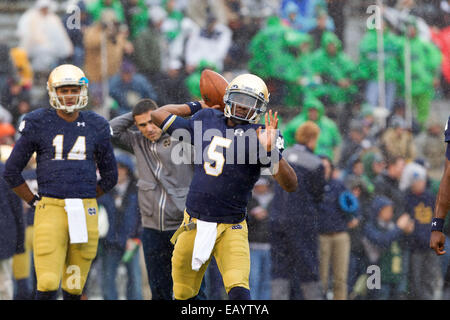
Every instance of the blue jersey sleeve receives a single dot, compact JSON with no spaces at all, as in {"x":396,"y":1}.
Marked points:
{"x":106,"y":161}
{"x":21,"y":154}
{"x":186,"y":129}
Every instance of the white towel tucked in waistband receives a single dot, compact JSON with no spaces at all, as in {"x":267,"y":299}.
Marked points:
{"x":76,"y":218}
{"x":204,"y":243}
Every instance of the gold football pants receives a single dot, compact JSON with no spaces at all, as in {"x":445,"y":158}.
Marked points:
{"x":231,"y":251}
{"x":55,"y":258}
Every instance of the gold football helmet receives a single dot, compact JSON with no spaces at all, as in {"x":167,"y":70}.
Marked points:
{"x":246,"y":91}
{"x":67,"y":75}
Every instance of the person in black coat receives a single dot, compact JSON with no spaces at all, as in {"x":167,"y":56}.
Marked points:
{"x":387,"y":184}
{"x":12,"y":235}
{"x":294,"y":222}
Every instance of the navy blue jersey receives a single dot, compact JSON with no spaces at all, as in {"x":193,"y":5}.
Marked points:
{"x":68,"y":154}
{"x":447,"y":137}
{"x":228,"y":162}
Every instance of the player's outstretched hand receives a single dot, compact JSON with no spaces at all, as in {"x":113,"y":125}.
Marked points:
{"x":437,"y":240}
{"x":268,"y":136}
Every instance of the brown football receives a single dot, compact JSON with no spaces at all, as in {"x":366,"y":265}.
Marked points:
{"x":212,"y":88}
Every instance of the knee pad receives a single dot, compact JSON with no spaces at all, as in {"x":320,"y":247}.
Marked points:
{"x":89,"y":250}
{"x":183,"y":292}
{"x":48,"y":282}
{"x":44,"y":240}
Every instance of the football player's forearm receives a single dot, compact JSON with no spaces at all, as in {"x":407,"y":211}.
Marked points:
{"x":286,"y":176}
{"x":107,"y":167}
{"x":182,"y":110}
{"x":24,"y":192}
{"x":443,"y":198}
{"x":99,"y":192}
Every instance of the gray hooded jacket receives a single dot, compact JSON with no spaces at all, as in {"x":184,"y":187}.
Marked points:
{"x":165,"y":172}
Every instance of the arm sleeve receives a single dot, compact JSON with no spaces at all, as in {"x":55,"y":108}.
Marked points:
{"x":184,"y":128}
{"x":17,"y":161}
{"x":106,"y":161}
{"x":122,"y":136}
{"x":382,"y":239}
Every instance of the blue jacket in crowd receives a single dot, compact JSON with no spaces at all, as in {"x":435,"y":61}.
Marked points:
{"x":381,"y":235}
{"x":333,"y":215}
{"x":127,"y":94}
{"x":12,"y":225}
{"x":124,"y":221}
{"x":420,"y":208}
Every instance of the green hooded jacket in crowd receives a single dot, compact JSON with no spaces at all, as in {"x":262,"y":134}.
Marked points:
{"x":368,"y":56}
{"x":138,"y":19}
{"x":95,"y":9}
{"x":329,"y":137}
{"x":334,"y":68}
{"x":301,"y":80}
{"x":266,"y":48}
{"x":192,"y":82}
{"x":425,"y":68}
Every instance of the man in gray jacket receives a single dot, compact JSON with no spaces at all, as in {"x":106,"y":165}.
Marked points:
{"x":165,"y":171}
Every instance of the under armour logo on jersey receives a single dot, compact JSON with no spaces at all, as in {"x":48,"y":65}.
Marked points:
{"x":92,"y":211}
{"x":434,"y":224}
{"x":236,"y":226}
{"x":239,"y":132}
{"x":81,"y":124}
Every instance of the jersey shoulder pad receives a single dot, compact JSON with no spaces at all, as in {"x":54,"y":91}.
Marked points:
{"x":32,"y":121}
{"x":97,"y":121}
{"x":94,"y":117}
{"x":206,"y":113}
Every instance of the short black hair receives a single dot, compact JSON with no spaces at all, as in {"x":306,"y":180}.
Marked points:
{"x":143,"y":106}
{"x":392,"y":160}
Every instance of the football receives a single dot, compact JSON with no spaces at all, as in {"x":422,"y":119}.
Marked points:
{"x":212,"y":88}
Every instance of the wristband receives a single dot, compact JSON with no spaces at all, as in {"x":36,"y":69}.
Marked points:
{"x":437,"y":224}
{"x":36,"y":198}
{"x":194,"y":106}
{"x":277,"y":152}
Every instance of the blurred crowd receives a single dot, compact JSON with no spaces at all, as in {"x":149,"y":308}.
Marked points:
{"x":380,"y":142}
